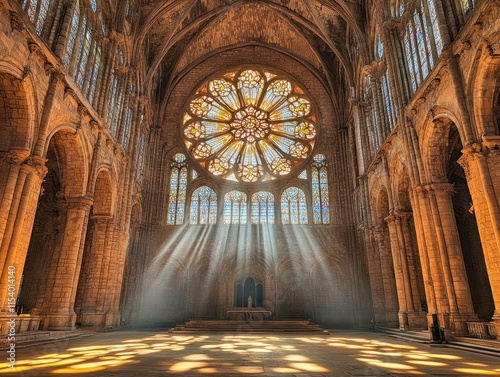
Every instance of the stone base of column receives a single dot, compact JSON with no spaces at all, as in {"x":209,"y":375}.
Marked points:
{"x":458,"y":325}
{"x":99,"y":321}
{"x":403,"y":321}
{"x":494,"y":330}
{"x":58,"y":321}
{"x":417,"y":320}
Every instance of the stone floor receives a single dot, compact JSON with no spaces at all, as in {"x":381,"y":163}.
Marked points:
{"x":158,"y":353}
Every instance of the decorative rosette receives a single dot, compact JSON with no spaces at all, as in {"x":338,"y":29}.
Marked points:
{"x":250,"y":126}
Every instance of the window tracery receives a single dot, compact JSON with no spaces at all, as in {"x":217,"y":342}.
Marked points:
{"x":177,"y":192}
{"x":293,"y":206}
{"x":235,"y":208}
{"x":203,"y":206}
{"x":249,"y":125}
{"x":422,"y":42}
{"x":319,"y":185}
{"x":262,"y":208}
{"x":37,"y":12}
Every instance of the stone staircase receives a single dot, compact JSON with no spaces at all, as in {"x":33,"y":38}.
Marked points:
{"x":232,"y":326}
{"x":484,"y":346}
{"x":40,"y":337}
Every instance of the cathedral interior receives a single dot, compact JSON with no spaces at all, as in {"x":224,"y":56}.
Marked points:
{"x":329,"y":160}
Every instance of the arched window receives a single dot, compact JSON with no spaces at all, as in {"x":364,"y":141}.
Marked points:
{"x":203,"y":206}
{"x":423,"y":43}
{"x":126,"y":127}
{"x":235,"y":208}
{"x":293,"y":206}
{"x":140,"y":157}
{"x":467,"y":6}
{"x":319,"y":184}
{"x":94,"y":73}
{"x":37,"y":12}
{"x":250,"y":288}
{"x":85,"y":44}
{"x":388,"y":101}
{"x":249,"y":126}
{"x":262,"y":208}
{"x":70,"y":45}
{"x":177,"y":193}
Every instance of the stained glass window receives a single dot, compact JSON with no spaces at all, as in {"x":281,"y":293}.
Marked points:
{"x":388,"y":101}
{"x":203,"y":206}
{"x":177,"y":192}
{"x":126,"y":127}
{"x":111,"y":103}
{"x":42,"y":14}
{"x":140,"y":156}
{"x":249,"y":126}
{"x":72,"y":35}
{"x":435,"y":26}
{"x":235,"y":208}
{"x":94,"y":74}
{"x":422,"y":41}
{"x":93,"y":4}
{"x":84,"y":54}
{"x":319,"y":184}
{"x":380,"y":48}
{"x":194,"y":174}
{"x":303,"y":175}
{"x":262,"y":208}
{"x":293,"y":206}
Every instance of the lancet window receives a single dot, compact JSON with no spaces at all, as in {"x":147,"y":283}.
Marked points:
{"x":37,"y":12}
{"x":203,"y":206}
{"x":235,"y":208}
{"x":293,"y":206}
{"x":422,"y":42}
{"x":319,"y":185}
{"x":262,"y":208}
{"x":177,"y":191}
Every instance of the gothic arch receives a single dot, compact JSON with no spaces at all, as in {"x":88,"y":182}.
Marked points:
{"x":72,"y":160}
{"x":16,"y":113}
{"x":484,"y":88}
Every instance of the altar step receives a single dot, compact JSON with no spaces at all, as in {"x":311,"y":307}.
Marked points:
{"x":198,"y":325}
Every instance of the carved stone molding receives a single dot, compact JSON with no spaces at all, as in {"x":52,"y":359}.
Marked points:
{"x":16,"y":22}
{"x":37,"y":163}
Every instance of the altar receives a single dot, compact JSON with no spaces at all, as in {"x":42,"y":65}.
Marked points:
{"x":248,"y":314}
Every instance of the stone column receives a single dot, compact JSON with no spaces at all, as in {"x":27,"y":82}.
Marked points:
{"x":57,"y":311}
{"x":410,"y":316}
{"x":20,"y":224}
{"x":481,"y":164}
{"x":11,"y":165}
{"x":379,"y":234}
{"x":452,"y":266}
{"x":93,"y":286}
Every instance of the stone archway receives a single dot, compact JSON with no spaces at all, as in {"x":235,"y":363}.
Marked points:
{"x":52,"y":261}
{"x":92,"y":298}
{"x":382,"y":279}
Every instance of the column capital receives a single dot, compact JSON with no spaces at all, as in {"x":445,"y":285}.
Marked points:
{"x":441,"y":187}
{"x":16,"y":156}
{"x":83,"y":202}
{"x":37,"y":165}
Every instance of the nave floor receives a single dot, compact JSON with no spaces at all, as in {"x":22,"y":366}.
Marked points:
{"x":159,"y":353}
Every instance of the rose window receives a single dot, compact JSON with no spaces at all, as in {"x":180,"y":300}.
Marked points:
{"x":249,"y":126}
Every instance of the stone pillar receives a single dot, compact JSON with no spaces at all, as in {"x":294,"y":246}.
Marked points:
{"x":94,"y":286}
{"x":11,"y":165}
{"x":20,"y":224}
{"x":379,"y":234}
{"x":481,"y":164}
{"x":57,"y":311}
{"x":451,"y":267}
{"x":410,"y":316}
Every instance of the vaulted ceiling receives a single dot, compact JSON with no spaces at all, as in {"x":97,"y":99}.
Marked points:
{"x":177,"y":35}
